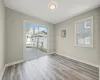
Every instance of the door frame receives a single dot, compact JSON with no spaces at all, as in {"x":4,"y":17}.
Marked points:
{"x":24,"y":35}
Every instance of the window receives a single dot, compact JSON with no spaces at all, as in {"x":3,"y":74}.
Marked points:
{"x":36,"y":36}
{"x":84,"y":32}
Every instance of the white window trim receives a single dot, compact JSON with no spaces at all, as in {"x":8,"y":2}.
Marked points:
{"x":80,"y":45}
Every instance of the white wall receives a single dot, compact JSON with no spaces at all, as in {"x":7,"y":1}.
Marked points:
{"x":2,"y":35}
{"x":14,"y":34}
{"x":66,"y":46}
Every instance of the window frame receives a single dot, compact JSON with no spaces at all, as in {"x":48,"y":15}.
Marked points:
{"x":24,"y":35}
{"x":91,"y":36}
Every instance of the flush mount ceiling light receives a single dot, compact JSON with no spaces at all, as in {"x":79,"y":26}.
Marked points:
{"x":52,"y":5}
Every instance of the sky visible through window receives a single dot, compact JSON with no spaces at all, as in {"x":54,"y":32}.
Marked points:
{"x":41,"y":28}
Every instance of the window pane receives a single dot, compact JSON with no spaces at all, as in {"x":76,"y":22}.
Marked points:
{"x":43,"y":38}
{"x":87,"y":40}
{"x":31,"y":35}
{"x":83,"y":32}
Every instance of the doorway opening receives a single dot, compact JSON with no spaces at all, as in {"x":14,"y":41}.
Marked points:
{"x":36,"y":40}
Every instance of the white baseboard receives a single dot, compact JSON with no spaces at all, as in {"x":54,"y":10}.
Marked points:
{"x":80,"y":60}
{"x":98,"y":66}
{"x":52,"y":53}
{"x":1,"y":74}
{"x":99,"y":72}
{"x":9,"y":64}
{"x":13,"y":63}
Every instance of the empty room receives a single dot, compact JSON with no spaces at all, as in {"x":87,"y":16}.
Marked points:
{"x":49,"y":39}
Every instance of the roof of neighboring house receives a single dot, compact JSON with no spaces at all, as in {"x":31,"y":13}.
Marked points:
{"x":40,"y":34}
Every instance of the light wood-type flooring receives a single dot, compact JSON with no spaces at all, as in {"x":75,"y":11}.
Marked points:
{"x":51,"y":67}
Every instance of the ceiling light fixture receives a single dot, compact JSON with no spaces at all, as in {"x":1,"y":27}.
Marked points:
{"x":52,"y":5}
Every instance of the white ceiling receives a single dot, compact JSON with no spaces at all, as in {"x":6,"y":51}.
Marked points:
{"x":65,"y":10}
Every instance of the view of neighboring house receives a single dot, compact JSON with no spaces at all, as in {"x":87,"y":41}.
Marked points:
{"x":36,"y":37}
